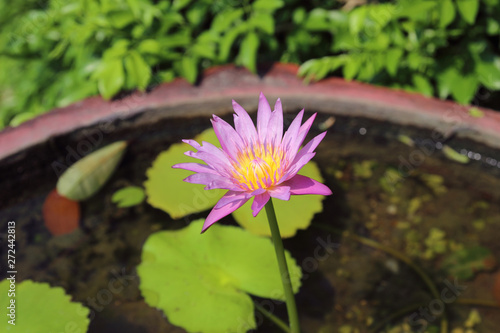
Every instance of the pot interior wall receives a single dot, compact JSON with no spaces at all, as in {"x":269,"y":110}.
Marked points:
{"x":354,"y":286}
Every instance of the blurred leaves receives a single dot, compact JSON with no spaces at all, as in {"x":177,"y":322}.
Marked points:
{"x":55,"y":53}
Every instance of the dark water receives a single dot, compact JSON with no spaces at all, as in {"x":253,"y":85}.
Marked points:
{"x":416,"y":206}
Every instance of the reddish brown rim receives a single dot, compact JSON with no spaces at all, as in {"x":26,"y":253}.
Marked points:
{"x":221,"y":84}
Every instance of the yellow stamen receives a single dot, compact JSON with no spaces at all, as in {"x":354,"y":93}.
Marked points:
{"x":259,"y":167}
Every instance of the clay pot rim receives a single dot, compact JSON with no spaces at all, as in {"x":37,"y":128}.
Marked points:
{"x":221,"y":84}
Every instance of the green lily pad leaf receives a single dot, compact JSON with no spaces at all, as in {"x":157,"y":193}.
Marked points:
{"x":165,"y":188}
{"x":84,"y":178}
{"x":128,"y":196}
{"x":463,"y":264}
{"x":295,"y":214}
{"x":201,"y":282}
{"x":40,"y":308}
{"x":454,"y":155}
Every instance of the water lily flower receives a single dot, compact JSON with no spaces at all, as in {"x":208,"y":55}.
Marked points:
{"x":254,"y":162}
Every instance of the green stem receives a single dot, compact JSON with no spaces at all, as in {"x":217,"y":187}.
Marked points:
{"x":285,"y":275}
{"x":278,"y":322}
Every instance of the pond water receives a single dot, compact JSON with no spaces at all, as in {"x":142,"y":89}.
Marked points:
{"x":400,"y":213}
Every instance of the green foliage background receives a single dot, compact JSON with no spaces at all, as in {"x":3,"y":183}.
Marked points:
{"x":56,"y":52}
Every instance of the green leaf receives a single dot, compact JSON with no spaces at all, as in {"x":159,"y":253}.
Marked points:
{"x":447,"y":13}
{"x":264,"y":22}
{"x":128,"y":196}
{"x":189,"y":68}
{"x":248,"y":52}
{"x":454,"y":155}
{"x":461,"y":86}
{"x":207,"y":277}
{"x":295,"y":214}
{"x":267,"y":5}
{"x":42,"y":308}
{"x":393,"y":56}
{"x":423,"y":85}
{"x":165,"y":188}
{"x":351,"y":67}
{"x":110,"y":77}
{"x":84,"y":178}
{"x":223,"y":21}
{"x":357,"y":19}
{"x":138,"y":71}
{"x":464,"y":263}
{"x":149,"y":46}
{"x":468,"y":9}
{"x":120,"y":18}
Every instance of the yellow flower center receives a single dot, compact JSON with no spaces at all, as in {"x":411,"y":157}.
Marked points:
{"x":259,"y":167}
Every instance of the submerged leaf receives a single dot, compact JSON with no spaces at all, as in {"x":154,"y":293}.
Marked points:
{"x":295,"y":214}
{"x":60,"y":214}
{"x":165,"y":188}
{"x":201,"y":281}
{"x":42,"y":308}
{"x":84,"y":178}
{"x":463,"y":264}
{"x":128,"y":196}
{"x":453,"y":155}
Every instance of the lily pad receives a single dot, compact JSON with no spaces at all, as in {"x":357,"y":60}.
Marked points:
{"x":295,"y":214}
{"x":84,"y":178}
{"x":463,"y":264}
{"x":201,"y":282}
{"x":165,"y":188}
{"x":128,"y":196}
{"x":40,"y":308}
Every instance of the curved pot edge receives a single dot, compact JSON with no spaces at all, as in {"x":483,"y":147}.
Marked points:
{"x":223,"y":83}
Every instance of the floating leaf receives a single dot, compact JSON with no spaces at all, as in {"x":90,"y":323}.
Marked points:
{"x":464,"y":263}
{"x":454,"y":155}
{"x":60,"y":215}
{"x":84,"y":178}
{"x":295,"y":214}
{"x":128,"y":196}
{"x":165,"y":188}
{"x":41,"y":308}
{"x":200,"y":281}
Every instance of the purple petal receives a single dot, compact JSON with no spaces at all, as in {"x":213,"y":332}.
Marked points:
{"x":193,"y":143}
{"x":299,"y":139}
{"x":263,"y":116}
{"x":196,"y":167}
{"x":244,"y":124}
{"x":292,"y":132}
{"x":300,"y":185}
{"x":275,"y":126}
{"x":212,"y":181}
{"x":229,"y":139}
{"x":212,"y":156}
{"x":296,"y":166}
{"x":280,"y":192}
{"x":310,"y":146}
{"x":259,"y":201}
{"x":217,"y":213}
{"x":230,"y":197}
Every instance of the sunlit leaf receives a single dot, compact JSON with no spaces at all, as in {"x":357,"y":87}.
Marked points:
{"x":166,"y":190}
{"x":475,"y":113}
{"x":207,"y":277}
{"x":189,"y":68}
{"x":84,"y":178}
{"x":41,"y":308}
{"x":138,"y":71}
{"x":447,"y":13}
{"x":111,"y":78}
{"x":293,"y":215}
{"x":248,"y":51}
{"x":128,"y":196}
{"x":468,"y":9}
